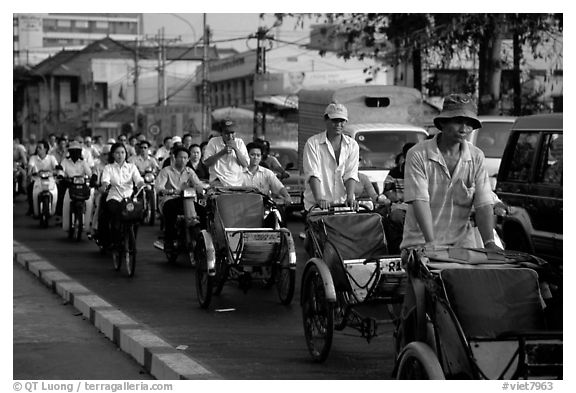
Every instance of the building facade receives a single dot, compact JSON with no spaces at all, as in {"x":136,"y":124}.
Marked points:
{"x":37,"y":36}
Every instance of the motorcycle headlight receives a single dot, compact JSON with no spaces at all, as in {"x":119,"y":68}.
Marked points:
{"x":189,"y":193}
{"x":149,"y":177}
{"x":78,"y":180}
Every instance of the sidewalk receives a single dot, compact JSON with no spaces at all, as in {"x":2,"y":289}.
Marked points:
{"x":53,"y":341}
{"x":155,"y":355}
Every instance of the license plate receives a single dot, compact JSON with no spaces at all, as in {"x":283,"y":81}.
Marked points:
{"x":272,"y":237}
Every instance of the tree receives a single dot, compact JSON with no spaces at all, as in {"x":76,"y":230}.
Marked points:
{"x":396,"y":38}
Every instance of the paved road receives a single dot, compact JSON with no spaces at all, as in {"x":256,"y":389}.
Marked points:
{"x":53,"y":341}
{"x":260,"y":339}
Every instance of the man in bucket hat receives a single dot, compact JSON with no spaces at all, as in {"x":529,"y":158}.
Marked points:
{"x":444,"y":179}
{"x":330,"y":162}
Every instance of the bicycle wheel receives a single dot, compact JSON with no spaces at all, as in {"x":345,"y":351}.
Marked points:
{"x":152,"y":209}
{"x":221,"y":276}
{"x":78,"y":226}
{"x":285,"y":284}
{"x":130,"y":251}
{"x":419,"y":362}
{"x":204,"y":282}
{"x":317,"y":316}
{"x":44,"y":212}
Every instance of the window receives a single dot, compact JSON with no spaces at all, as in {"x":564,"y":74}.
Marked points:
{"x":101,"y":24}
{"x":63,"y":23}
{"x":551,"y":165}
{"x":81,"y":24}
{"x":523,"y":156}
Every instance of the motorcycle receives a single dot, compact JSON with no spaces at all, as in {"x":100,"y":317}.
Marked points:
{"x":18,"y":179}
{"x":79,"y":192}
{"x":45,"y":195}
{"x":185,"y":240}
{"x":149,"y":198}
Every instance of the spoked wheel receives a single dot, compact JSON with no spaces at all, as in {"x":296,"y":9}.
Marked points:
{"x":340,"y":309}
{"x":71,"y":225}
{"x":419,"y":362}
{"x":152,"y":209}
{"x":221,"y":276}
{"x":129,"y":253}
{"x":317,"y":316}
{"x":285,"y":284}
{"x":204,"y":282}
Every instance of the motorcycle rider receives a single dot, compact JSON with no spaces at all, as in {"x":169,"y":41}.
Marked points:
{"x":40,"y":161}
{"x":144,"y":161}
{"x":121,"y":176}
{"x":75,"y":166}
{"x":20,"y":161}
{"x":96,"y":182}
{"x":170,"y":181}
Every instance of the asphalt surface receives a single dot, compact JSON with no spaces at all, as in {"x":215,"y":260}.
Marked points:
{"x":258,"y":339}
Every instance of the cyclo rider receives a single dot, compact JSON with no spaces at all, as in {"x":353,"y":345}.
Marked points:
{"x":170,"y":181}
{"x":75,"y":166}
{"x":41,"y":161}
{"x":120,"y":176}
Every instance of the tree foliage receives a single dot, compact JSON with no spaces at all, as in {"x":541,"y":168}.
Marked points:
{"x":399,"y":37}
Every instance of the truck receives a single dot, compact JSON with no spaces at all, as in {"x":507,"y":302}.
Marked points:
{"x":381,"y":118}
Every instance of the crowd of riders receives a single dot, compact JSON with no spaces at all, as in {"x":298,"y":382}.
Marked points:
{"x":114,"y":167}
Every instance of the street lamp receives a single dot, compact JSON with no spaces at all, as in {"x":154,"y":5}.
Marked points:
{"x":188,"y":23}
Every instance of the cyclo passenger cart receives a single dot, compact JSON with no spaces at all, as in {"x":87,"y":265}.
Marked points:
{"x":243,"y":241}
{"x":350,"y":280}
{"x":478,"y":314}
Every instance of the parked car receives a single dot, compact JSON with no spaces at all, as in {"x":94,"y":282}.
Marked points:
{"x":530,"y":182}
{"x":491,"y":139}
{"x":288,"y":158}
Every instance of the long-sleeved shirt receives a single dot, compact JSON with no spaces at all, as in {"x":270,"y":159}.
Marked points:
{"x":122,"y":179}
{"x":170,"y":178}
{"x":319,"y":161}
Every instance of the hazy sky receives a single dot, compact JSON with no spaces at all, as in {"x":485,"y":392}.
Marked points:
{"x":224,"y":26}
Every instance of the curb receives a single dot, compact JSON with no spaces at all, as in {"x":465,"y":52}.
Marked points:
{"x":151,"y":352}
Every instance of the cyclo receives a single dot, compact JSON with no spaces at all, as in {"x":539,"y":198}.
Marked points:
{"x":478,"y":314}
{"x":243,"y":241}
{"x":350,"y":280}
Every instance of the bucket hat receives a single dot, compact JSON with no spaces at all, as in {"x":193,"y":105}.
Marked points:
{"x":336,"y":111}
{"x":74,"y":145}
{"x":458,"y":105}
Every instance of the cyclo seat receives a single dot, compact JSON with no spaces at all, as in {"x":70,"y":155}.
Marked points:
{"x":348,"y":236}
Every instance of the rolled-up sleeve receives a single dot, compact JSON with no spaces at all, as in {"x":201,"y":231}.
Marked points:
{"x":415,"y":178}
{"x":210,"y":150}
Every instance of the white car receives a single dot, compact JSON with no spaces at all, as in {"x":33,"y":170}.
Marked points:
{"x":491,"y":139}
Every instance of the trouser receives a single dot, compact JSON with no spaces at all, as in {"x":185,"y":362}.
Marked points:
{"x":97,"y":211}
{"x":30,"y":198}
{"x":171,"y":209}
{"x":113,"y":208}
{"x":66,"y":211}
{"x":60,"y":200}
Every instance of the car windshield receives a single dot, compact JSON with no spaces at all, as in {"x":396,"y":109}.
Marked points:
{"x":285,"y":156}
{"x":378,"y":150}
{"x":492,"y":138}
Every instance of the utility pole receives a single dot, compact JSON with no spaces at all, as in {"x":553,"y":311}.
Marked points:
{"x":259,"y":107}
{"x":136,"y":74}
{"x":206,"y":110}
{"x":162,"y":87}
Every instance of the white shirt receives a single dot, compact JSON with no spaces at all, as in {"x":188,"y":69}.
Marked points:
{"x":319,"y":161}
{"x":226,"y":169}
{"x":37,"y":164}
{"x":122,"y":179}
{"x":78,"y":168}
{"x":264,"y":180}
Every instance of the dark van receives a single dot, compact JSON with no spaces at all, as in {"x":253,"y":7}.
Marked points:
{"x":530,"y":182}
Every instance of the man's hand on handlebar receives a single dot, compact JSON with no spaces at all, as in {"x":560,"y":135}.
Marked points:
{"x":323,"y":204}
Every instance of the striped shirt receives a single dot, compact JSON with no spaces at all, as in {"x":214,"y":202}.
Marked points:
{"x":451,"y":198}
